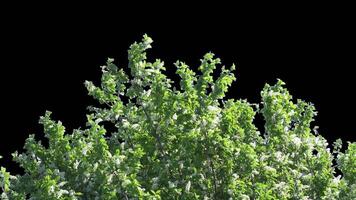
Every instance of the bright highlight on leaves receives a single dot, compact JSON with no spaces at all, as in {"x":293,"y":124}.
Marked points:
{"x":182,"y":144}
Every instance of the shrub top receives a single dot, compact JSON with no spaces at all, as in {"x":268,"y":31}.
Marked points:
{"x":186,"y":143}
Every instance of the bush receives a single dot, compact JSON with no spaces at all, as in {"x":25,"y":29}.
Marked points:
{"x":182,"y":144}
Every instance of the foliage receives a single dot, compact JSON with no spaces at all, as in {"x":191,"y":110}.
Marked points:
{"x":182,"y":144}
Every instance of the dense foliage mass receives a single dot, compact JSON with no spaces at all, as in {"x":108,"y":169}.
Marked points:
{"x":182,"y":144}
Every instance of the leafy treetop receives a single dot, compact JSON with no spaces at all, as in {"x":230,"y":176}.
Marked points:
{"x":182,"y":144}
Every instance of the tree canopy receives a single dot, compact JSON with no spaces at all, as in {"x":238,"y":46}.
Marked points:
{"x":182,"y":143}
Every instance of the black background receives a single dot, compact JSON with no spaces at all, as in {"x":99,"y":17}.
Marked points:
{"x":46,"y":55}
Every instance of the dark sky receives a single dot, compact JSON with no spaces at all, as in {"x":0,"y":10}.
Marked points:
{"x":47,"y":55}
